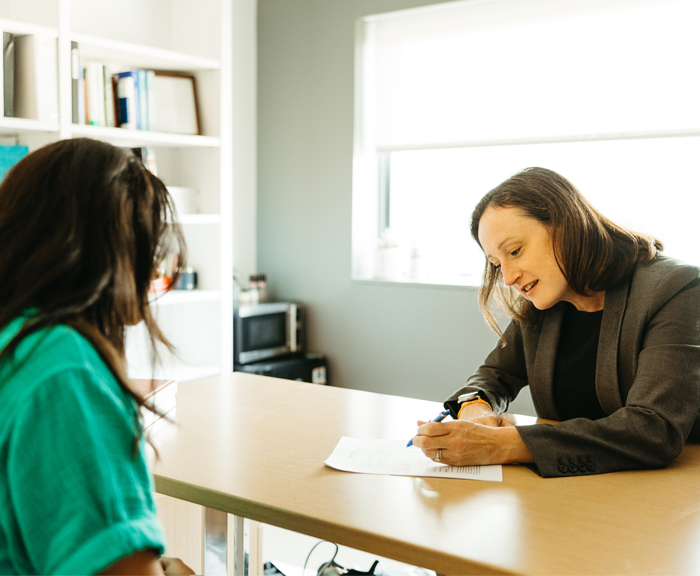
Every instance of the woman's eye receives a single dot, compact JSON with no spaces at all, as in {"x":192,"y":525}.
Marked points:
{"x":515,"y":252}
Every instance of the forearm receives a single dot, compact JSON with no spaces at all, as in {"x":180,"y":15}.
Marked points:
{"x":511,"y":447}
{"x":632,"y":438}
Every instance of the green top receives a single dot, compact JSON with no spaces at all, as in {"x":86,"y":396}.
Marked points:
{"x":73,"y":496}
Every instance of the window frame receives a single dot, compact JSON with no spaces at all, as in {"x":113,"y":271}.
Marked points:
{"x":372,"y":162}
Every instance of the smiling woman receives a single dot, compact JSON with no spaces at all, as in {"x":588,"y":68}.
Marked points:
{"x":522,"y":249}
{"x":604,"y":330}
{"x":538,"y":217}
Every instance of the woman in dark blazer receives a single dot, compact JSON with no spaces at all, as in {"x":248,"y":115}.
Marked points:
{"x":604,"y":329}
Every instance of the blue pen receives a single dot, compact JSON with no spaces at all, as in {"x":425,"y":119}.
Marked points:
{"x":439,"y":418}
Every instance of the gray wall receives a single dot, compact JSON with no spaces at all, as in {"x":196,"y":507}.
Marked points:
{"x":407,"y":340}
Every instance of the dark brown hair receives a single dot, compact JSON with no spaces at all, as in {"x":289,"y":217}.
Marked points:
{"x":83,"y":226}
{"x":592,"y":252}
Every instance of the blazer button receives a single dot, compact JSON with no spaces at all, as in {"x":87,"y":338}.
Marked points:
{"x":572,"y":467}
{"x":591,"y":467}
{"x":563,"y":468}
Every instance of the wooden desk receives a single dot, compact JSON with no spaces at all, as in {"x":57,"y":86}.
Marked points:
{"x":254,"y":447}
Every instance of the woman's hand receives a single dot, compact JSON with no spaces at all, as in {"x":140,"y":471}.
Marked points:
{"x":468,"y":443}
{"x":175,"y":567}
{"x":146,"y":562}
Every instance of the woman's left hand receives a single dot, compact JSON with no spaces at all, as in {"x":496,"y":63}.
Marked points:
{"x":464,"y":443}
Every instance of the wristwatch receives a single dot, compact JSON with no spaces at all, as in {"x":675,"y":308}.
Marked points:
{"x":454,"y":406}
{"x":471,"y":396}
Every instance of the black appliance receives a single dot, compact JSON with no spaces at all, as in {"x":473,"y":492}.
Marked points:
{"x":303,"y":367}
{"x":266,"y":331}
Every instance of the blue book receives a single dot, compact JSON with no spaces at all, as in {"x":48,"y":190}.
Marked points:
{"x":9,"y":156}
{"x":142,"y":91}
{"x":150,"y":80}
{"x":127,"y":104}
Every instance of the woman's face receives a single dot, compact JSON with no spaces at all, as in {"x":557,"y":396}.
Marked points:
{"x":522,"y":247}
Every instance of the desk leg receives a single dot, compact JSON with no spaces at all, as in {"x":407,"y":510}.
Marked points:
{"x":246,"y":545}
{"x":240,"y":546}
{"x":215,"y":537}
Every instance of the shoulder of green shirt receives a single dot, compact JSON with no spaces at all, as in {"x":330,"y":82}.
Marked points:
{"x":50,"y":351}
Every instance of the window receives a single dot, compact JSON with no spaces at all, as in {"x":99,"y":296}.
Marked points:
{"x":451,"y":100}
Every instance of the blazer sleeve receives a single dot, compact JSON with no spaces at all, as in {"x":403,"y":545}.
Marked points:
{"x":662,"y":405}
{"x":502,"y":375}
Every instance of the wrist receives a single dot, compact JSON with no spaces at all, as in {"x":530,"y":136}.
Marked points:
{"x":473,"y":399}
{"x":471,"y":411}
{"x":512,"y":447}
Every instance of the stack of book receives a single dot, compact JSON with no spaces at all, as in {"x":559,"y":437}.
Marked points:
{"x":102,"y":98}
{"x":158,"y":394}
{"x":134,"y":99}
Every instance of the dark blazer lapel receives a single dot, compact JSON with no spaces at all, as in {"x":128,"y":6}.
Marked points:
{"x":542,"y":389}
{"x":606,"y":383}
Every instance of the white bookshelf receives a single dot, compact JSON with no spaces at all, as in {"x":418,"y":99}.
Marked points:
{"x":137,"y":138}
{"x":169,"y":35}
{"x":106,"y":50}
{"x":200,"y":219}
{"x":18,"y":126}
{"x":175,"y":297}
{"x":20,"y":28}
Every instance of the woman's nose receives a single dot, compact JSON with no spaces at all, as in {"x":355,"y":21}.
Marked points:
{"x":510,"y":274}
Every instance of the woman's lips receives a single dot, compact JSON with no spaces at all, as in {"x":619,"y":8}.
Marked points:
{"x":528,"y":287}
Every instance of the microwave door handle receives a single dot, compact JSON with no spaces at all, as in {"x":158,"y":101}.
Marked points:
{"x":292,"y":313}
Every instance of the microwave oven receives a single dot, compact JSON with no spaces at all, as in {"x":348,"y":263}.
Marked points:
{"x":264,"y":331}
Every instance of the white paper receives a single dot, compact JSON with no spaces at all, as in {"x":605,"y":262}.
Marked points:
{"x":393,"y":457}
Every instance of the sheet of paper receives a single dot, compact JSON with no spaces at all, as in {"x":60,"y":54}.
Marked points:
{"x":393,"y":457}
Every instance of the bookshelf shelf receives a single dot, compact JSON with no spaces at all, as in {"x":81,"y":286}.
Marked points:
{"x":140,"y":56}
{"x":199,"y":219}
{"x":137,"y":138}
{"x":16,"y":126}
{"x":185,"y":297}
{"x":20,"y":28}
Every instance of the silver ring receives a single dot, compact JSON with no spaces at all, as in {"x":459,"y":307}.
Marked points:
{"x":438,"y":456}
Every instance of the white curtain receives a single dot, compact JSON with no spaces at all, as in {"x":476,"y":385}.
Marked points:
{"x":509,"y":70}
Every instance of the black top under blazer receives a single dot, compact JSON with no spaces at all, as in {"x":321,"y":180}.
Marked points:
{"x":647,"y":376}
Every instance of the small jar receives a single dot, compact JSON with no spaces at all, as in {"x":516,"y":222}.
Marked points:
{"x":253,"y":293}
{"x":262,"y":288}
{"x":188,"y":279}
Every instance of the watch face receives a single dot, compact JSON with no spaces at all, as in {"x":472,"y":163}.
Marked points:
{"x":466,"y":397}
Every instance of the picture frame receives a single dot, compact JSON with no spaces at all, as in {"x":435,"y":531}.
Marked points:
{"x":174,"y":106}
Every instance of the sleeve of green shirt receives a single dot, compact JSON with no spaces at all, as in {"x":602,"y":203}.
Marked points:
{"x":81,"y":498}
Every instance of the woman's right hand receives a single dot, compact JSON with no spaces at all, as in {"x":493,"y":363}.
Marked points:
{"x":480,"y":413}
{"x":147,"y":563}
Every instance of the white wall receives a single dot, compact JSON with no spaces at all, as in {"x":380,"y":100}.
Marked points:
{"x":244,"y":145}
{"x":397,"y":339}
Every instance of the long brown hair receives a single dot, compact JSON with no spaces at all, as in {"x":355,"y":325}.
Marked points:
{"x":592,"y":252}
{"x":83,"y":226}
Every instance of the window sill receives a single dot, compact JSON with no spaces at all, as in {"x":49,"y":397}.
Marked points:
{"x":441,"y":282}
